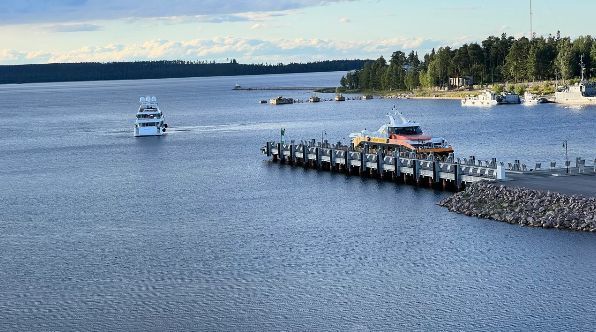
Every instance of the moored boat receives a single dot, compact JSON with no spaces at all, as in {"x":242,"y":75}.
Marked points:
{"x":486,"y":98}
{"x":489,"y":98}
{"x":339,"y":97}
{"x":508,"y":98}
{"x":314,"y":99}
{"x":403,"y":136}
{"x":531,"y":99}
{"x":281,"y":101}
{"x":582,"y":93}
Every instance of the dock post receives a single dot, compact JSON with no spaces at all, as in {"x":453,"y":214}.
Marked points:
{"x":318,"y":157}
{"x":362,"y":162}
{"x":380,"y":163}
{"x":397,"y":165}
{"x":292,"y":153}
{"x":282,"y":156}
{"x":436,"y":172}
{"x":268,"y":149}
{"x":501,"y":175}
{"x":347,"y":165}
{"x":331,"y":159}
{"x":457,"y":176}
{"x":304,"y":155}
{"x":276,"y":156}
{"x":416,"y":170}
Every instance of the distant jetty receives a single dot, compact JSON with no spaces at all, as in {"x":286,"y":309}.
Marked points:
{"x":285,"y":88}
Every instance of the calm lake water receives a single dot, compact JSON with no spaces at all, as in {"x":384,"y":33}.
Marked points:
{"x":198,"y":231}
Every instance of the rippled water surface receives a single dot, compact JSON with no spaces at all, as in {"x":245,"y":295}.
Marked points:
{"x":198,"y":231}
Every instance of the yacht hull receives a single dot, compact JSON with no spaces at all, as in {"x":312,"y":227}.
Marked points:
{"x":479,"y":103}
{"x":148,"y":131}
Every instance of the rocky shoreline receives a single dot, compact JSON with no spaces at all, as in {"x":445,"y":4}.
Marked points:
{"x":525,"y":207}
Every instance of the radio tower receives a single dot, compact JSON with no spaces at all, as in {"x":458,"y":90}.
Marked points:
{"x":531,"y":30}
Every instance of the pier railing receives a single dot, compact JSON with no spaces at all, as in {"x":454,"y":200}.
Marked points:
{"x":579,"y":166}
{"x":450,"y":171}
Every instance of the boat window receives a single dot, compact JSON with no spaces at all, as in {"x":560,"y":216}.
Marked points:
{"x":406,"y":131}
{"x":149,"y":116}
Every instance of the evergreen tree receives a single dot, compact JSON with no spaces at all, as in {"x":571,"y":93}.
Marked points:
{"x":476,"y":58}
{"x":516,"y":60}
{"x":564,"y":60}
{"x":461,"y":61}
{"x":582,"y":46}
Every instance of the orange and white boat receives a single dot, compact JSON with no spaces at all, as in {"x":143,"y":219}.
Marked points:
{"x":403,"y":136}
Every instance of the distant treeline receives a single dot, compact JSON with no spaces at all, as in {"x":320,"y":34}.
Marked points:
{"x":494,"y":60}
{"x":94,"y":71}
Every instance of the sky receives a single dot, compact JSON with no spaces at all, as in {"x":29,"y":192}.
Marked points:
{"x":267,"y":31}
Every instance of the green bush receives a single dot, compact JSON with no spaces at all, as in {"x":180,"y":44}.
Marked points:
{"x":520,"y":89}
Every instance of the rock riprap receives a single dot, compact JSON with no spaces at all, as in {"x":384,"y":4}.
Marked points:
{"x":524,"y":206}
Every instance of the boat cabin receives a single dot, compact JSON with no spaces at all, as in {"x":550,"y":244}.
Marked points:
{"x":405,"y":130}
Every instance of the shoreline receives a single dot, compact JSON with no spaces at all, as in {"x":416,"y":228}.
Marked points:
{"x":524,"y":206}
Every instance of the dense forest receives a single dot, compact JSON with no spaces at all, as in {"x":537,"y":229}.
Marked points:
{"x":93,"y":71}
{"x":494,"y":60}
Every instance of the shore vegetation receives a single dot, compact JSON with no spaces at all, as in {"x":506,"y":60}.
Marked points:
{"x":501,"y":63}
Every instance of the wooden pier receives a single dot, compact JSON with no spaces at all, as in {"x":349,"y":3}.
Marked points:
{"x":448,"y":173}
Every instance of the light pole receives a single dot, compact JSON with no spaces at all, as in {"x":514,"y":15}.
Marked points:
{"x":566,"y":157}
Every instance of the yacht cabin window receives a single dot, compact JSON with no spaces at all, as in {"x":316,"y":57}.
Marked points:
{"x":415,"y":130}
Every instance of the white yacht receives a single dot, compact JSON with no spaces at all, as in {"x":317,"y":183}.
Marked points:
{"x":531,"y":99}
{"x":281,"y":101}
{"x":486,"y":98}
{"x":150,"y":120}
{"x":489,"y":98}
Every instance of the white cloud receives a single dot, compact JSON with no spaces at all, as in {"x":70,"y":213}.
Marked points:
{"x":257,"y":26}
{"x":219,"y":48}
{"x":73,"y":27}
{"x":9,"y":56}
{"x":34,"y":11}
{"x":344,"y":20}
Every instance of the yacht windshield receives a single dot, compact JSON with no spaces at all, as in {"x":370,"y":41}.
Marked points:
{"x":149,"y":116}
{"x":415,"y":130}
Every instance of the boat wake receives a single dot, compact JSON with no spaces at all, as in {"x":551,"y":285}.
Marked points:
{"x":232,"y":127}
{"x":221,"y":128}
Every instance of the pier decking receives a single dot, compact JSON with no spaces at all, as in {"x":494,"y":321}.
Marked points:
{"x":405,"y":167}
{"x":576,"y":182}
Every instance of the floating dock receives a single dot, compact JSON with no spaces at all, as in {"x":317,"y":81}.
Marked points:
{"x":450,"y":173}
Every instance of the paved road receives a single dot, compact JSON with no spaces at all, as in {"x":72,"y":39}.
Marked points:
{"x":566,"y":184}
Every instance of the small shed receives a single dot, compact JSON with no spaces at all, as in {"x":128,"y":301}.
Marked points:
{"x":460,"y":82}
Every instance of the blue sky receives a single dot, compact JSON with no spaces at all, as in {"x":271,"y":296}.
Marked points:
{"x":42,"y":31}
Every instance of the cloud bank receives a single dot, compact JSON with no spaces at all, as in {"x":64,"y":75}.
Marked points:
{"x":220,"y":48}
{"x":48,"y":11}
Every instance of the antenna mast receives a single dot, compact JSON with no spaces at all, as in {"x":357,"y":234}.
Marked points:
{"x":581,"y":63}
{"x":531,"y":30}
